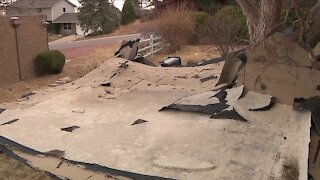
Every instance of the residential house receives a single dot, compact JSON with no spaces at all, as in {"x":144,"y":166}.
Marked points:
{"x":68,"y":24}
{"x":53,"y":9}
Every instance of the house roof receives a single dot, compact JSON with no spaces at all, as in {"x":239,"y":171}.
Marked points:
{"x":67,"y":18}
{"x":37,"y":3}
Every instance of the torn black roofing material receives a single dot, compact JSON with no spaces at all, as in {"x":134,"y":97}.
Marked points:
{"x":28,"y":95}
{"x":202,"y":80}
{"x":229,"y":114}
{"x":10,"y":122}
{"x":70,"y":129}
{"x":267,"y":107}
{"x":93,"y":167}
{"x":139,"y":121}
{"x":2,"y":110}
{"x":208,"y":109}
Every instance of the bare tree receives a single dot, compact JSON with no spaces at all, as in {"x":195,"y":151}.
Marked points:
{"x":264,"y":17}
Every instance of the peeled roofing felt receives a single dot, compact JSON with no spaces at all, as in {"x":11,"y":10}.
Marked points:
{"x":172,"y":144}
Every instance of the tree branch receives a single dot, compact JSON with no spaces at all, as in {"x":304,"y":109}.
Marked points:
{"x":312,"y":33}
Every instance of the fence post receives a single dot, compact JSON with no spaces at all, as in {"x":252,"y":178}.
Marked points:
{"x":151,"y":44}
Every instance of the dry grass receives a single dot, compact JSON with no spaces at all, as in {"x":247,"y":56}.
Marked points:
{"x":176,"y":25}
{"x":12,"y":169}
{"x":74,"y":69}
{"x":53,"y":37}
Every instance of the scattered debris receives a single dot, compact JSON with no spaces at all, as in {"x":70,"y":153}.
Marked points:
{"x":10,"y":122}
{"x":113,"y":75}
{"x":124,"y":65}
{"x":23,"y":99}
{"x":182,"y":77}
{"x":55,"y":153}
{"x":229,"y":114}
{"x":205,"y":79}
{"x":139,"y":121}
{"x":70,"y":129}
{"x":105,"y":84}
{"x":171,"y":62}
{"x":78,"y":110}
{"x":2,"y":110}
{"x":28,"y":95}
{"x":196,"y":76}
{"x":64,"y":80}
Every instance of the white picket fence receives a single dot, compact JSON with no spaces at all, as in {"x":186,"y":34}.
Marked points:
{"x":150,"y":46}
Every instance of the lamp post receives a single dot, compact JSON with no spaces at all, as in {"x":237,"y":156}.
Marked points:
{"x":15,"y":22}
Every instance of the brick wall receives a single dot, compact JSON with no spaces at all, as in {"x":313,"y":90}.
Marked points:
{"x":32,"y":39}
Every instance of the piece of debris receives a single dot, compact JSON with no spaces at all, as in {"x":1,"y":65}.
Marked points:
{"x":229,"y":114}
{"x":272,"y":102}
{"x":196,"y":76}
{"x":78,"y":110}
{"x":28,"y":95}
{"x":124,"y":65}
{"x":139,"y":121}
{"x":105,"y":84}
{"x":10,"y":122}
{"x":128,"y":50}
{"x":207,"y":109}
{"x":70,"y":129}
{"x":113,"y":75}
{"x":254,"y":101}
{"x":171,"y":62}
{"x":2,"y":110}
{"x":55,"y":153}
{"x":234,"y":94}
{"x":64,"y":80}
{"x":53,"y":85}
{"x":182,"y":77}
{"x":23,"y":99}
{"x":230,"y":70}
{"x":205,"y":79}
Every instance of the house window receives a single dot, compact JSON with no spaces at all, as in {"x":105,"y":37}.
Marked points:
{"x":39,"y":10}
{"x":66,"y":26}
{"x":64,"y":9}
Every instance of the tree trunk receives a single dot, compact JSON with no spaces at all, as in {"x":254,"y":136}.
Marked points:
{"x":264,"y":18}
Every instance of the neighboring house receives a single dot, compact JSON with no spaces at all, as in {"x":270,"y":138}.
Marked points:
{"x":51,"y":8}
{"x":69,"y":24}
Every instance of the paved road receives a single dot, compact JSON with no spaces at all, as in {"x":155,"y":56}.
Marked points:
{"x":91,"y":42}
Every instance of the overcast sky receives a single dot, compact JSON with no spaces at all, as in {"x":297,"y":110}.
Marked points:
{"x":118,"y":3}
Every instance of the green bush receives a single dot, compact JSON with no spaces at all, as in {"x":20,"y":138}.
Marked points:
{"x":200,"y":17}
{"x":237,"y":14}
{"x":50,"y":62}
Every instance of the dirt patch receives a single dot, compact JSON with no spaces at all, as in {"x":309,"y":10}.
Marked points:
{"x":290,"y":170}
{"x":188,"y":53}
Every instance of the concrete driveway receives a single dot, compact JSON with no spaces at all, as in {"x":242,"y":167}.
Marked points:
{"x":69,"y":43}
